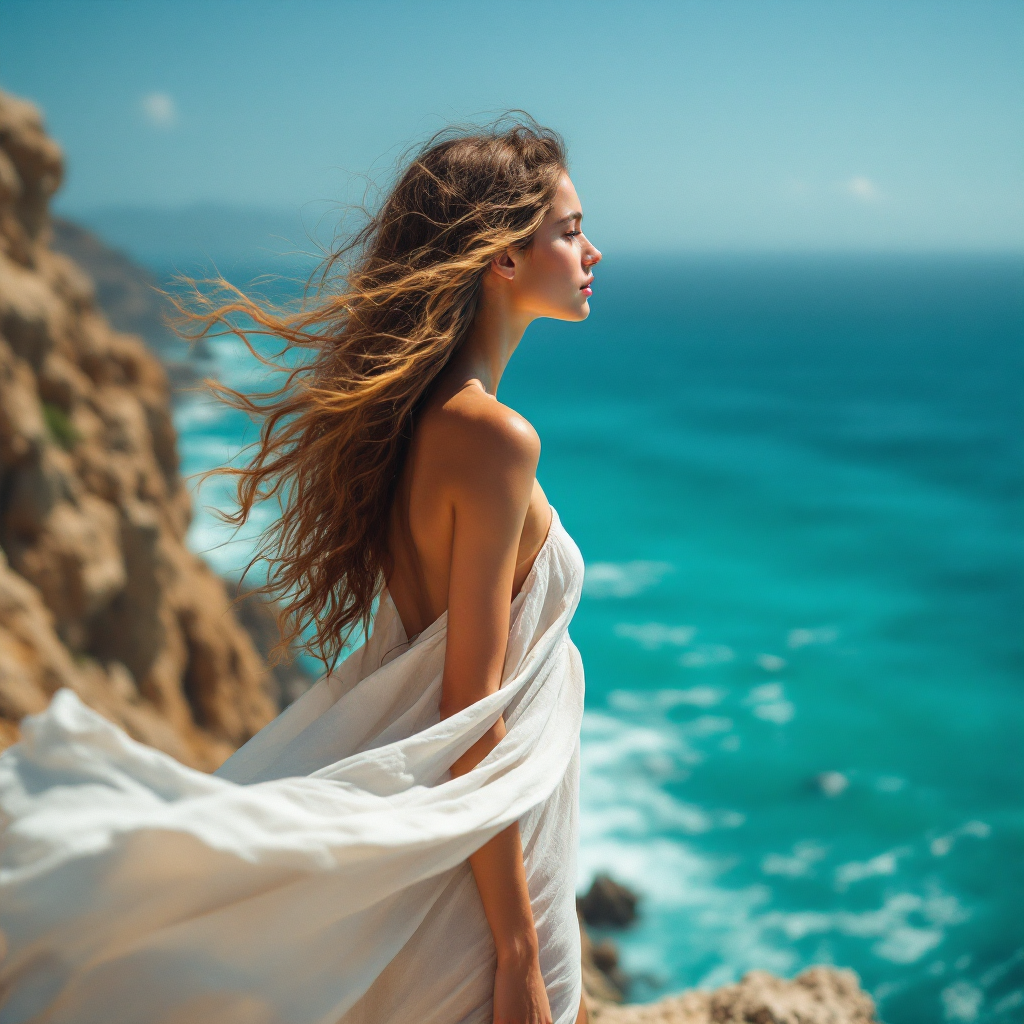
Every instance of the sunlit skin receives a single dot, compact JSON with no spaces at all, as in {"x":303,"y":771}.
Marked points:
{"x":468,"y":521}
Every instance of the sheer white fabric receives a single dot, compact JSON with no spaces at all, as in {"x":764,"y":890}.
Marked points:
{"x":320,"y":875}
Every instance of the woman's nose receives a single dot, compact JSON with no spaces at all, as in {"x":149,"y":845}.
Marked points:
{"x":592,"y":257}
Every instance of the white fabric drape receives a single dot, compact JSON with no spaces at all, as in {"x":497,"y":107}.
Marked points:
{"x":320,"y":874}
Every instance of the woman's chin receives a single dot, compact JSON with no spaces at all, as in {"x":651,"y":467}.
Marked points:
{"x":578,"y":311}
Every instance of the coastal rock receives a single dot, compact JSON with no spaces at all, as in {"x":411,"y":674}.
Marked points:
{"x":608,"y":902}
{"x":603,"y":982}
{"x":97,"y":589}
{"x":820,"y":995}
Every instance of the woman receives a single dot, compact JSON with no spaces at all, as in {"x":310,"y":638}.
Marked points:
{"x":399,"y":844}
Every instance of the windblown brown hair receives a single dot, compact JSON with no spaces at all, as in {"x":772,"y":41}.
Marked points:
{"x":392,"y":304}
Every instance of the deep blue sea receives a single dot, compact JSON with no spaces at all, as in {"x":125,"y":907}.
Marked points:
{"x":798,"y":485}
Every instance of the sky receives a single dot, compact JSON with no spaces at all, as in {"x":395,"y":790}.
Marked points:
{"x":692,"y":125}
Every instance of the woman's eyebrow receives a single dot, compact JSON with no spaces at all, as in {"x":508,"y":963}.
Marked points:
{"x":572,"y":216}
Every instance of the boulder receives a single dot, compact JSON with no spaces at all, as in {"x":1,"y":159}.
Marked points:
{"x":608,"y":903}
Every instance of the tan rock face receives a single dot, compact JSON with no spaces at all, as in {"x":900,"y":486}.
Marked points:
{"x":820,"y":995}
{"x":97,"y":590}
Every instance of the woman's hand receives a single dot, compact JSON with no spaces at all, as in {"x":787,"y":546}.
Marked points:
{"x":519,"y":993}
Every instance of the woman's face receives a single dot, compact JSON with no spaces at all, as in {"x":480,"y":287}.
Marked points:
{"x":553,"y":276}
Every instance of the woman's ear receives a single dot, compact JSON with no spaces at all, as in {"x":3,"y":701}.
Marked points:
{"x":504,"y":265}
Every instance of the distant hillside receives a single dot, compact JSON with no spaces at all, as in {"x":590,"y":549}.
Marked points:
{"x":127,"y":294}
{"x":125,"y":291}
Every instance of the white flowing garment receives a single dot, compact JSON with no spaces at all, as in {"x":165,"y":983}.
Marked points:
{"x":320,"y":874}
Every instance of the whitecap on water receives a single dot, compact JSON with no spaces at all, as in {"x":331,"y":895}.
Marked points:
{"x":765,"y":692}
{"x":768,"y":703}
{"x":707,"y":654}
{"x":780,"y":712}
{"x":797,"y":864}
{"x":622,"y":579}
{"x":196,"y":413}
{"x":803,"y":637}
{"x":705,"y":725}
{"x":664,"y":700}
{"x":832,"y":784}
{"x":856,"y":871}
{"x":617,"y":783}
{"x":652,"y":635}
{"x":907,"y":944}
{"x":941,"y":845}
{"x":900,"y":938}
{"x":961,"y":1001}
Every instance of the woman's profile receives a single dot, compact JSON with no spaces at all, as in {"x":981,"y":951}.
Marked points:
{"x":399,"y":845}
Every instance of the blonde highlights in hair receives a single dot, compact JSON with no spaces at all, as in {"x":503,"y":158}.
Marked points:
{"x":372,"y":341}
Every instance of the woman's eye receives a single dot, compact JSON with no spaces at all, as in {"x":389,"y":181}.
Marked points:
{"x":573,"y":234}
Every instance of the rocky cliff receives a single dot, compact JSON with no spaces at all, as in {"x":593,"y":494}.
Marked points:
{"x":97,"y":589}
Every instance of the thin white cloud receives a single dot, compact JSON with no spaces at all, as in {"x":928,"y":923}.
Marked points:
{"x":159,"y":109}
{"x":863,"y":189}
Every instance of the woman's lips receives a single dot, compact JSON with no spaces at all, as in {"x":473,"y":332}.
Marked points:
{"x":586,"y":289}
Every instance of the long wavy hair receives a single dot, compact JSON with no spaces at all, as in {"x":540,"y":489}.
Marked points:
{"x":392,"y":302}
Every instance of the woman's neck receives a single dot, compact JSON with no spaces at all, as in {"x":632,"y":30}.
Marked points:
{"x":497,"y":329}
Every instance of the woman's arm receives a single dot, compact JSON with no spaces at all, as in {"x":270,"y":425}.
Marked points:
{"x":490,"y":497}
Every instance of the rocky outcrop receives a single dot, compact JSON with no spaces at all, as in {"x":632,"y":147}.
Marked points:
{"x":608,"y":902}
{"x":820,"y":995}
{"x":97,"y":589}
{"x":603,"y":979}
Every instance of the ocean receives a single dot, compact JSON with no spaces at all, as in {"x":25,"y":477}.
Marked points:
{"x":797,"y":485}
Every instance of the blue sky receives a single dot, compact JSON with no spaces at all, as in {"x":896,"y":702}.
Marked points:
{"x":714,"y":124}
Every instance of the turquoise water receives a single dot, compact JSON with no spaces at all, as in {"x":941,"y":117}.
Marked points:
{"x":797,"y":485}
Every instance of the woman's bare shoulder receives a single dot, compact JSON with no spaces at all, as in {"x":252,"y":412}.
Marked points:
{"x":477,"y":423}
{"x":476,"y":438}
